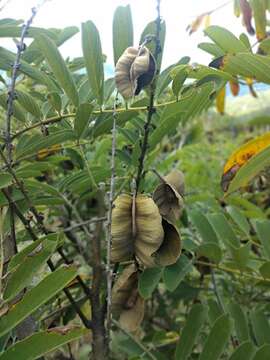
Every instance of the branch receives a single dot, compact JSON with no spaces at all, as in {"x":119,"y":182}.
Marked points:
{"x":151,"y":108}
{"x":232,"y":271}
{"x":56,"y":119}
{"x":109,"y":222}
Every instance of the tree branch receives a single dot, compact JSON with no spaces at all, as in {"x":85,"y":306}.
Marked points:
{"x":151,"y":109}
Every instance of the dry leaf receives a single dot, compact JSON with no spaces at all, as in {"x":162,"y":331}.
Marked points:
{"x":234,"y":87}
{"x":241,"y":156}
{"x":194,"y":26}
{"x":247,"y":16}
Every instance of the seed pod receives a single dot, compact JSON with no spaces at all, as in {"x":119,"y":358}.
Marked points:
{"x":134,"y":70}
{"x":168,"y":195}
{"x":136,"y":229}
{"x":170,"y":249}
{"x":127,"y":304}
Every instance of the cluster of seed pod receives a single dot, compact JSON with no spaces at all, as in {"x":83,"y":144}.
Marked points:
{"x":134,"y":70}
{"x":143,"y":231}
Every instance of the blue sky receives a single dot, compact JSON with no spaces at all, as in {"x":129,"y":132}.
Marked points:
{"x":177,"y":14}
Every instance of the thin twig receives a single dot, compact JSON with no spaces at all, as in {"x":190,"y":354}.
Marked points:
{"x":232,"y":271}
{"x":151,"y":108}
{"x":132,"y":337}
{"x":57,"y":311}
{"x":86,"y":222}
{"x":56,"y":119}
{"x":109,"y":222}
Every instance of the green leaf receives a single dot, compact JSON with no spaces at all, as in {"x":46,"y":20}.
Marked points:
{"x":240,"y":321}
{"x":164,"y":77}
{"x":104,"y":123}
{"x":238,"y":217}
{"x":190,"y":105}
{"x":178,"y":81}
{"x":18,"y":258}
{"x":148,"y":281}
{"x":38,"y":142}
{"x":190,"y":332}
{"x":244,"y":351}
{"x":175,"y":273}
{"x":151,"y":29}
{"x":262,"y":228}
{"x":29,"y":103}
{"x":18,"y":111}
{"x":59,"y":67}
{"x":82,"y":118}
{"x":212,"y":49}
{"x":15,"y":31}
{"x":39,"y":344}
{"x":225,"y":39}
{"x":55,"y":100}
{"x":109,"y":87}
{"x":92,"y":53}
{"x":259,"y":15}
{"x":223,"y":230}
{"x":248,"y":65}
{"x":7,"y":58}
{"x":241,"y":255}
{"x":203,"y":226}
{"x":245,"y":40}
{"x":36,"y":297}
{"x":5,"y":180}
{"x":217,"y":339}
{"x":265,"y":45}
{"x":211,"y":251}
{"x":263,"y":353}
{"x":122,"y":31}
{"x":29,"y":267}
{"x":260,"y":327}
{"x":265,"y":270}
{"x":214,"y":311}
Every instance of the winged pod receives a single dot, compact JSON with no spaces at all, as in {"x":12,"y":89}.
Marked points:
{"x":134,"y":70}
{"x":127,"y":304}
{"x":169,"y":195}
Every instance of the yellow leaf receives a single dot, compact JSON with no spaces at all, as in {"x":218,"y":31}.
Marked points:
{"x":207,"y":21}
{"x":43,"y":153}
{"x":241,"y":156}
{"x":220,"y":101}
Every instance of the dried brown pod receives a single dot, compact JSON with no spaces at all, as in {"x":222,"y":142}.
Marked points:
{"x":168,"y":195}
{"x":134,"y":70}
{"x":247,"y":16}
{"x":127,"y":304}
{"x":136,"y":229}
{"x":170,"y":250}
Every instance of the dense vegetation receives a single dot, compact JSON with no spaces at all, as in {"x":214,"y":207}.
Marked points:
{"x":122,"y":233}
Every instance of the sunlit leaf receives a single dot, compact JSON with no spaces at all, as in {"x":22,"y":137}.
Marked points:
{"x":240,"y":157}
